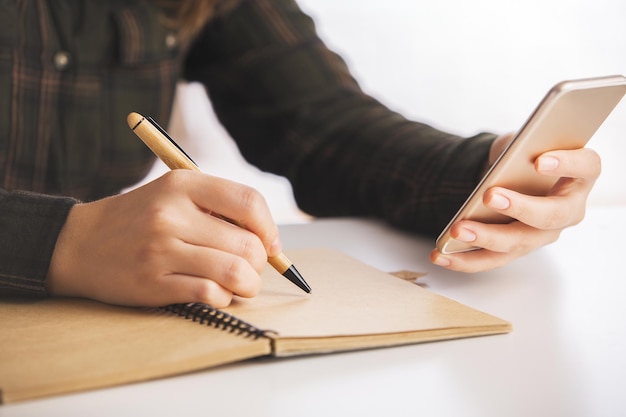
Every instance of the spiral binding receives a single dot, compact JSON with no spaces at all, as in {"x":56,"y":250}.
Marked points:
{"x":216,"y":318}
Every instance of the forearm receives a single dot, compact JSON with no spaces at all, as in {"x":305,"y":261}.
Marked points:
{"x":295,"y":110}
{"x":29,"y":227}
{"x":381,"y":165}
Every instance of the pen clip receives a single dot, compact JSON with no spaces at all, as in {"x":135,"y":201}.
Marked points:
{"x":172,"y":141}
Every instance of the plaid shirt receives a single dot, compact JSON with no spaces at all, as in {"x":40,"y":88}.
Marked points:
{"x":71,"y":70}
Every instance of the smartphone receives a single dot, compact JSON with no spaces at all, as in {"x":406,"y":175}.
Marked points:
{"x":566,"y":118}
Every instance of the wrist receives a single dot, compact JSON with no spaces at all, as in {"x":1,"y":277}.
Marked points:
{"x":60,"y":279}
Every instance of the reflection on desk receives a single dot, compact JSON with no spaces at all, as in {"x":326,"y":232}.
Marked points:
{"x":564,"y":357}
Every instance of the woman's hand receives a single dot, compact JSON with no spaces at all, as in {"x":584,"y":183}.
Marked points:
{"x":159,"y":244}
{"x":538,"y":220}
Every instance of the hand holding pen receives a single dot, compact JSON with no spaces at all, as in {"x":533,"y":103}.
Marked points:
{"x":163,"y":146}
{"x":156,"y":245}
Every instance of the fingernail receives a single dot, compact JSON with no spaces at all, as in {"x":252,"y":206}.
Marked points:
{"x":547,"y":163}
{"x":466,"y":235}
{"x":442,"y":261}
{"x":498,"y":201}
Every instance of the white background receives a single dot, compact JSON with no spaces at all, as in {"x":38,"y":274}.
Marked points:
{"x":461,"y":66}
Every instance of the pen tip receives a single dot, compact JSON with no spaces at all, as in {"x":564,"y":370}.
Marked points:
{"x":294,"y":276}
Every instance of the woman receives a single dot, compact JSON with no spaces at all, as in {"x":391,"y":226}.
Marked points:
{"x":70,"y":72}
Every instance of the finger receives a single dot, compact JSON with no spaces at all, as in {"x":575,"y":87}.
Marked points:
{"x":581,"y":163}
{"x":211,"y":232}
{"x":551,"y":212}
{"x":178,"y":288}
{"x":184,"y":220}
{"x":240,"y":203}
{"x":229,"y":271}
{"x":514,"y":237}
{"x":471,"y":262}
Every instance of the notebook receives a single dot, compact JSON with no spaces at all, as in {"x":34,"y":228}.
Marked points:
{"x":55,"y":346}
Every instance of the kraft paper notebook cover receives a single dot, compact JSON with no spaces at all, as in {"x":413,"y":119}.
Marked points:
{"x":56,"y":346}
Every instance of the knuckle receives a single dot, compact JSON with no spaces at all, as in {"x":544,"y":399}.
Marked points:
{"x":556,"y":219}
{"x":488,"y":241}
{"x":158,"y":219}
{"x":209,"y":292}
{"x":253,"y":251}
{"x":548,"y":221}
{"x":239,"y":279}
{"x":157,"y":228}
{"x":509,"y":238}
{"x":203,"y":292}
{"x":234,"y":271}
{"x":250,"y":199}
{"x":174,"y":179}
{"x":252,"y":288}
{"x":578,"y":216}
{"x":526,"y":243}
{"x":508,"y":245}
{"x":596,"y":163}
{"x":553,"y":237}
{"x":150,"y":252}
{"x":522,"y":246}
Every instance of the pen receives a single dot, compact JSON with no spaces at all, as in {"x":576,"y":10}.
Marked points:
{"x":163,"y":146}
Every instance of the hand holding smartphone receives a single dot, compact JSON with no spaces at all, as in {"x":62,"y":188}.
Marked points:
{"x":566,"y":118}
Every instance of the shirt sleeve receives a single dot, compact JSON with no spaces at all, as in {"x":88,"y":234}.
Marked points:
{"x":29,"y":224}
{"x":294,"y":109}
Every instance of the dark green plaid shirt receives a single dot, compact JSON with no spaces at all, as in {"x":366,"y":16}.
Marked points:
{"x":71,"y":70}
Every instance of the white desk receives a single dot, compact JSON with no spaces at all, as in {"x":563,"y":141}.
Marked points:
{"x":565,"y":357}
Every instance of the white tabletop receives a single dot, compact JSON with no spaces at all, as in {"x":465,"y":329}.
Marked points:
{"x":565,"y":356}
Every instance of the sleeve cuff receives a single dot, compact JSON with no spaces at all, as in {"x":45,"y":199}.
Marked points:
{"x":30,"y":225}
{"x":463,"y":171}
